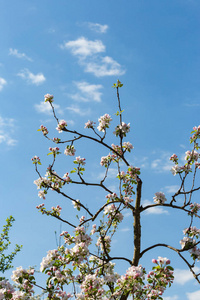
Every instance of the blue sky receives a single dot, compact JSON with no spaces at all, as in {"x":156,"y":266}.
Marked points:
{"x":76,"y":50}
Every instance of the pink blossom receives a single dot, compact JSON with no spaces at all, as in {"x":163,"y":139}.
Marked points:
{"x":48,"y":98}
{"x":44,"y":130}
{"x":35,"y":159}
{"x":104,"y":122}
{"x":80,"y":160}
{"x":127,"y":146}
{"x":90,"y":124}
{"x":70,"y":150}
{"x":61,"y":125}
{"x":194,"y":155}
{"x":66,"y":177}
{"x":174,"y":158}
{"x":159,"y":198}
{"x":122,"y":129}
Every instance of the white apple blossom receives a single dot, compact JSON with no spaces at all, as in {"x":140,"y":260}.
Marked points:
{"x":159,"y":198}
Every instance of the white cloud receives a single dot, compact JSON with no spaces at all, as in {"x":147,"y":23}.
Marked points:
{"x":171,"y":189}
{"x":162,"y":164}
{"x":45,"y":107}
{"x":17,"y":54}
{"x":84,"y":47}
{"x":127,"y":214}
{"x":103,"y":66}
{"x":112,"y":173}
{"x":98,"y":27}
{"x":171,"y":298}
{"x":156,"y":210}
{"x":77,"y":110}
{"x":51,"y":30}
{"x":87,"y":92}
{"x":125,"y":229}
{"x":3,"y":82}
{"x":193,"y":295}
{"x":88,"y":57}
{"x":36,"y":79}
{"x":192,"y":104}
{"x":183,"y":276}
{"x":182,"y":146}
{"x":7,"y":127}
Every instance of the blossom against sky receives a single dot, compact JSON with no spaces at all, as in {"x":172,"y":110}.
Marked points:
{"x":76,"y":51}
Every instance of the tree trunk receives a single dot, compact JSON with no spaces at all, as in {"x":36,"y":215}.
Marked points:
{"x":137,"y":230}
{"x":137,"y":225}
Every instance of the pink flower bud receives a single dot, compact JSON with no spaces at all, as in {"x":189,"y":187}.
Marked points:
{"x":154,"y":261}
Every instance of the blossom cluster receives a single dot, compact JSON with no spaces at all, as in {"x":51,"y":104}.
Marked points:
{"x":36,"y":160}
{"x":66,"y":177}
{"x":180,"y":169}
{"x":105,"y":268}
{"x":122,"y":129}
{"x":56,"y":140}
{"x":113,"y":214}
{"x":7,"y":290}
{"x":54,"y":151}
{"x":159,"y":278}
{"x":55,"y":211}
{"x":127,"y":187}
{"x":192,"y":231}
{"x":76,"y":204}
{"x":159,"y":198}
{"x":106,"y":160}
{"x":61,"y":125}
{"x":129,"y":178}
{"x":189,"y":242}
{"x":191,"y":155}
{"x":104,"y":242}
{"x":111,"y":197}
{"x":70,"y":150}
{"x":52,"y":265}
{"x":42,"y":182}
{"x":42,"y":194}
{"x":80,"y":161}
{"x":24,"y":279}
{"x":90,"y":124}
{"x":51,"y":180}
{"x":44,"y":130}
{"x":92,"y":287}
{"x":174,"y":158}
{"x":196,"y":133}
{"x":117,"y":149}
{"x":48,"y":98}
{"x":104,"y":122}
{"x":132,"y":281}
{"x":194,"y":208}
{"x":127,"y":146}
